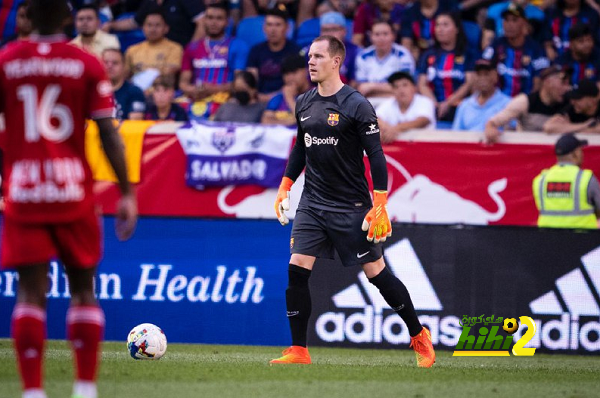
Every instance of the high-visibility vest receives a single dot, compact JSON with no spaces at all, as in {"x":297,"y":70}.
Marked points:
{"x":561,"y":197}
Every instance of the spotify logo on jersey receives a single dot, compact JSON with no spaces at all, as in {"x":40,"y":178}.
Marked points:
{"x":309,"y":141}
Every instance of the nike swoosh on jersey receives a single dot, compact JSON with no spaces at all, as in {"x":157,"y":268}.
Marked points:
{"x":305,"y":118}
{"x":362,"y":255}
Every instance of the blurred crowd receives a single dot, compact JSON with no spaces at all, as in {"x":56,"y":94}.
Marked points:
{"x":472,"y":65}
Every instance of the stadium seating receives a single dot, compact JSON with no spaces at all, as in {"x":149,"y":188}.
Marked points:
{"x":308,"y":31}
{"x":473,"y":33}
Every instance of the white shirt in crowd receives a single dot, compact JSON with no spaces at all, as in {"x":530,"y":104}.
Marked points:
{"x":370,"y":69}
{"x":421,"y":106}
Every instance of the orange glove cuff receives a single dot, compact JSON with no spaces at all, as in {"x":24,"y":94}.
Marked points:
{"x":286,"y":184}
{"x":379,"y":198}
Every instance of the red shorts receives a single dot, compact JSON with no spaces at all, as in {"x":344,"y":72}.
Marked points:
{"x":76,"y":244}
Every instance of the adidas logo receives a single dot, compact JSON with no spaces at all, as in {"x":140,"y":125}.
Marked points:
{"x":375,"y":321}
{"x":576,"y":294}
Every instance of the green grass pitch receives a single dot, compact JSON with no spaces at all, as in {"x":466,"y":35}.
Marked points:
{"x":243,"y":371}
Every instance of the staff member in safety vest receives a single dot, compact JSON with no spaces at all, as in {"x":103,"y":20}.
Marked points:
{"x":566,"y":195}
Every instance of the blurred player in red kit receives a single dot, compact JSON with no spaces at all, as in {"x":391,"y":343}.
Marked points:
{"x":47,"y":90}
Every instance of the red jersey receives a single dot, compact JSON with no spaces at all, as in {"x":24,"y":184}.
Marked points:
{"x":47,"y":90}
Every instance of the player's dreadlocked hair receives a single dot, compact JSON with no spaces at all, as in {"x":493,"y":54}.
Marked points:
{"x":48,"y":16}
{"x":336,"y":46}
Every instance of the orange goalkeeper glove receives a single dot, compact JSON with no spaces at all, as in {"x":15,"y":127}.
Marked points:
{"x":377,"y":221}
{"x":282,"y":203}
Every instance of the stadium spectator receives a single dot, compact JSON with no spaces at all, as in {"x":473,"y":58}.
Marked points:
{"x":582,"y":56}
{"x":90,"y":38}
{"x":566,"y":195}
{"x":162,"y":107}
{"x":376,"y":63}
{"x":345,"y":7}
{"x":334,"y":24}
{"x":130,"y":102}
{"x":23,"y":26}
{"x":209,"y":64}
{"x":264,"y":60}
{"x":418,"y":24}
{"x":494,"y":25}
{"x":531,"y":111}
{"x":407,"y":110}
{"x":560,"y":19}
{"x":446,"y":70}
{"x":280,"y":110}
{"x":293,"y":7}
{"x":518,"y":56}
{"x":156,"y":54}
{"x":182,"y":17}
{"x":473,"y":113}
{"x":368,"y":13}
{"x":243,"y":106}
{"x":582,"y":115}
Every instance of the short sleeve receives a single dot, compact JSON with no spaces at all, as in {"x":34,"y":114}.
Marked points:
{"x":362,"y":72}
{"x":100,"y":93}
{"x":594,"y":192}
{"x":175,"y":55}
{"x":254,"y":57}
{"x":540,"y":61}
{"x":186,"y":61}
{"x":274,"y":102}
{"x":238,"y":56}
{"x":422,"y":64}
{"x":138,"y":100}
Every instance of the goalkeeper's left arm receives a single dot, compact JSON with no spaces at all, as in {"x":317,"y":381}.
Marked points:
{"x":376,"y":222}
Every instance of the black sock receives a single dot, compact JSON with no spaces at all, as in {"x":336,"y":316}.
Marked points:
{"x":299,"y":305}
{"x":396,"y":295}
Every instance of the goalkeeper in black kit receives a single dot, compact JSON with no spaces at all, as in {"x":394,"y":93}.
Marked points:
{"x":335,"y":125}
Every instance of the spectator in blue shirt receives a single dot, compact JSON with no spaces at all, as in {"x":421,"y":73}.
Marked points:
{"x":473,"y":113}
{"x":130,"y":103}
{"x":582,"y":57}
{"x":264,"y":60}
{"x":519,"y":58}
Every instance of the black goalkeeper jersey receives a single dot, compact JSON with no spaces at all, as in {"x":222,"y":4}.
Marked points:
{"x":333,"y":132}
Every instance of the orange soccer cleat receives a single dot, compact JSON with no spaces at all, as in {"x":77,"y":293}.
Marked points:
{"x":424,"y":352}
{"x":294,"y":354}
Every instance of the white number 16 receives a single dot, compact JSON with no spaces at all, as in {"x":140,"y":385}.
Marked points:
{"x":38,"y":116}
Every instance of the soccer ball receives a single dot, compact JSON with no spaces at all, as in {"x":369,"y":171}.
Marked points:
{"x":510,"y":325}
{"x":146,"y":341}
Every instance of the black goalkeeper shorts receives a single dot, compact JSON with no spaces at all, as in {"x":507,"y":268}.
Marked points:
{"x":318,"y":233}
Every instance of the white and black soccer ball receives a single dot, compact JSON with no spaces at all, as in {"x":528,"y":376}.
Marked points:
{"x":146,"y":341}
